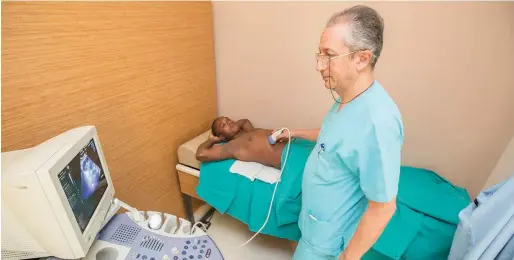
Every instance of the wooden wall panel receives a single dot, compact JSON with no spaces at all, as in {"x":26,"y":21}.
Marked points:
{"x":141,"y":72}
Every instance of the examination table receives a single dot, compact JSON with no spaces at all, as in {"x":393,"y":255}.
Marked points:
{"x":188,"y":169}
{"x":422,"y":227}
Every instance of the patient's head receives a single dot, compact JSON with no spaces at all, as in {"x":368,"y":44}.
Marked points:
{"x":225,"y":127}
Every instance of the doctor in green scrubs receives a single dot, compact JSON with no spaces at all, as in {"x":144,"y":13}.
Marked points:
{"x":350,"y":180}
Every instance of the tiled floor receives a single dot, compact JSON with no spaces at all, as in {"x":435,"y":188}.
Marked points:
{"x":228,"y":233}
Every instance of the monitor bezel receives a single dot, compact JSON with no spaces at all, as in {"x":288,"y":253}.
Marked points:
{"x":66,"y":154}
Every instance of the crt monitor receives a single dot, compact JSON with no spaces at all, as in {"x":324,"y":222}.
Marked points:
{"x":55,"y":196}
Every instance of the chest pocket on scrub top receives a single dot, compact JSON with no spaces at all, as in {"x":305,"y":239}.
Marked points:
{"x":329,"y":167}
{"x":325,"y":181}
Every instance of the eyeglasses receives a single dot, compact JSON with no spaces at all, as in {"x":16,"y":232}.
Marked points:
{"x":325,"y":59}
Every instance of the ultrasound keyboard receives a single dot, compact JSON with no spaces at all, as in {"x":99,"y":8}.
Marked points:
{"x":148,"y":239}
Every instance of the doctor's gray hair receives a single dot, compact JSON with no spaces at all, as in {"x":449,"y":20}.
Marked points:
{"x":364,"y":29}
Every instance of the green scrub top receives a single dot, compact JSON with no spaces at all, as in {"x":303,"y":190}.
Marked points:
{"x":357,"y":158}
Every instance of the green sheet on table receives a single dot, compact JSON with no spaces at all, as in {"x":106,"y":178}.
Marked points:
{"x":249,"y":201}
{"x":425,"y":220}
{"x":422,"y":226}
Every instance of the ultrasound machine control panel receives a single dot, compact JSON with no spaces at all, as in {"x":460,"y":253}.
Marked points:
{"x":152,"y":236}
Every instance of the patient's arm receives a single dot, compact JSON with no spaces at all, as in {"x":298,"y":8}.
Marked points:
{"x":208,"y":151}
{"x":245,"y":124}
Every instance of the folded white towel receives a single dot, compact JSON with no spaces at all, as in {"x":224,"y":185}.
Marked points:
{"x":253,"y":170}
{"x":247,"y":169}
{"x":269,"y":175}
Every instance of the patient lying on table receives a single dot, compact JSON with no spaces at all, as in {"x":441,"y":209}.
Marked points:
{"x":242,"y":142}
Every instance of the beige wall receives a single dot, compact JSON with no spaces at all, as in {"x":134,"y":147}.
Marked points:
{"x":449,"y":66}
{"x":504,"y":168}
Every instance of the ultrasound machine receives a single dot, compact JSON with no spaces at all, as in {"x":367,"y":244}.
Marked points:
{"x":58,"y":201}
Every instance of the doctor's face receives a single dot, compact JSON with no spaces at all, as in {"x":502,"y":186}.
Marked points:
{"x":334,"y":59}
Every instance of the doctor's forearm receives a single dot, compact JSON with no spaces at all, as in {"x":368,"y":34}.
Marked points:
{"x":307,"y":134}
{"x":371,"y":226}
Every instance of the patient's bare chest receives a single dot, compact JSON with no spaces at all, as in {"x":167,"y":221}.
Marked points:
{"x":254,"y":142}
{"x":254,"y":147}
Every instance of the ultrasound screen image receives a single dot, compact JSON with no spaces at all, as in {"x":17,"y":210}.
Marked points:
{"x":83,"y":181}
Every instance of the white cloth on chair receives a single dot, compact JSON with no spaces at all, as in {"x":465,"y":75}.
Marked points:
{"x":253,"y":170}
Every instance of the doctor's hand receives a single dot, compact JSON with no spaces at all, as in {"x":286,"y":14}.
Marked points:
{"x":284,"y":136}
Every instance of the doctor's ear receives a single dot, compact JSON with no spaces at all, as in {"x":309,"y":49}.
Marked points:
{"x":363,"y":58}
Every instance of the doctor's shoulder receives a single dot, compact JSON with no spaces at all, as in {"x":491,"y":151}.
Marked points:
{"x":383,"y":119}
{"x":384,"y":112}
